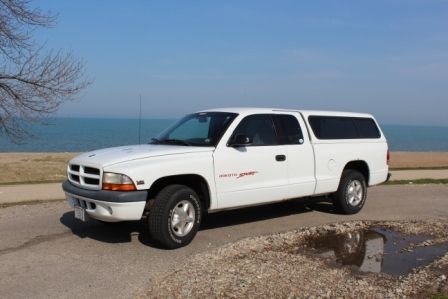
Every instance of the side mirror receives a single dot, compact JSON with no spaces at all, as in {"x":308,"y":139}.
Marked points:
{"x":240,"y":141}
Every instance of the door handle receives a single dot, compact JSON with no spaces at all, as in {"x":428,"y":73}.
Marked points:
{"x":280,"y":158}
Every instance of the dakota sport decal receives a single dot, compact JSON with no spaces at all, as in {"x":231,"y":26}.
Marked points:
{"x":238,"y":175}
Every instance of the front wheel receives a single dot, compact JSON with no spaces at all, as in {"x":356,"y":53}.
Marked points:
{"x":175,"y":216}
{"x":352,"y":192}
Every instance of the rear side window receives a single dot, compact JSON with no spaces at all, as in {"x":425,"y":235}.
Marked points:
{"x":334,"y":127}
{"x":288,"y":129}
{"x":325,"y":127}
{"x":367,"y":128}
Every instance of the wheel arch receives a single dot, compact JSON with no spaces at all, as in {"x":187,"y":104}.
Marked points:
{"x":196,"y":182}
{"x":361,"y":166}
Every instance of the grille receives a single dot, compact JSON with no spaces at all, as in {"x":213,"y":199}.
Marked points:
{"x":91,"y":170}
{"x":84,"y":176}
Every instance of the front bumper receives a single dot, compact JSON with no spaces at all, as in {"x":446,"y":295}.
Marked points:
{"x":110,"y":206}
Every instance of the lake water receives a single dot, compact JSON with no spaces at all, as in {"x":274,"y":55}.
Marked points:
{"x":84,"y":134}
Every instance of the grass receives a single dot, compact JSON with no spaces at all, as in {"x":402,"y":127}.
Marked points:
{"x":439,"y":296}
{"x":417,"y":182}
{"x":28,"y":202}
{"x":30,"y":182}
{"x":420,"y":168}
{"x":32,"y":168}
{"x":40,"y":168}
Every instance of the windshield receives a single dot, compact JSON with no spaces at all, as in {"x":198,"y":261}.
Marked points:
{"x":198,"y":129}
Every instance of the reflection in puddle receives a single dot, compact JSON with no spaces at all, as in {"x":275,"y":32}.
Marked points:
{"x":376,"y":250}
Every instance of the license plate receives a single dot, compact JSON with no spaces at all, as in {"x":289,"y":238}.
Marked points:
{"x":80,"y":213}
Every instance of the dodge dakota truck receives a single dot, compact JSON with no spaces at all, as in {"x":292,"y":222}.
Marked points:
{"x":229,"y":158}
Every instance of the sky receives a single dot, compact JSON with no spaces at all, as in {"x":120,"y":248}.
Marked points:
{"x":385,"y":57}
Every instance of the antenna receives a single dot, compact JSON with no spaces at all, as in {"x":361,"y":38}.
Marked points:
{"x":140,"y":120}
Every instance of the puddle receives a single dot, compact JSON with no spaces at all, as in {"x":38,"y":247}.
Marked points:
{"x":375,"y":250}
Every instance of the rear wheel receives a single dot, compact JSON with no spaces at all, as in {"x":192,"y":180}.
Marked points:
{"x":352,"y":192}
{"x":175,"y":216}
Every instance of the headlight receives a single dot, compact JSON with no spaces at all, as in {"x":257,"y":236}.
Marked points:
{"x":117,"y":182}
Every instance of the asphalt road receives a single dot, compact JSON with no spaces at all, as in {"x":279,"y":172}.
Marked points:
{"x":45,"y":253}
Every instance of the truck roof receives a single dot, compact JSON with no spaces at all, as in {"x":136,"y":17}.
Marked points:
{"x":306,"y":113}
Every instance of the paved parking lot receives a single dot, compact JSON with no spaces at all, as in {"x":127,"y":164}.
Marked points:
{"x":44,"y":252}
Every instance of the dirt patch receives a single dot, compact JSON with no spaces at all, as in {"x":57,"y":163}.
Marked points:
{"x":282,"y":265}
{"x":51,"y":167}
{"x":406,"y":160}
{"x":33,"y":167}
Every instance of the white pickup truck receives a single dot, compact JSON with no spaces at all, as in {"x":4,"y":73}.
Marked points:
{"x":229,"y":158}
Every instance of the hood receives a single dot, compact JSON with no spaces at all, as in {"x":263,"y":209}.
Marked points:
{"x":114,"y":155}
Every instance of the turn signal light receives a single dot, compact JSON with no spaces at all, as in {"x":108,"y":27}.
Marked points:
{"x":119,"y":187}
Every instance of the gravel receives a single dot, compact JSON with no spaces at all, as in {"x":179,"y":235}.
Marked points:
{"x":267,"y":267}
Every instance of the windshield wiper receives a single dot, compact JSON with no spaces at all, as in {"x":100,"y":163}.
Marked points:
{"x":155,"y":141}
{"x":175,"y":141}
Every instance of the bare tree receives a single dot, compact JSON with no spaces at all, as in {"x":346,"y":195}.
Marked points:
{"x":33,"y":84}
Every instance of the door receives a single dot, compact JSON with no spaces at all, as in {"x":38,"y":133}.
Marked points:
{"x":299,"y":152}
{"x":255,"y":173}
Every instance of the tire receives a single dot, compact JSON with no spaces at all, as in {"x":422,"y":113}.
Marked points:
{"x":352,"y":192}
{"x":175,"y":216}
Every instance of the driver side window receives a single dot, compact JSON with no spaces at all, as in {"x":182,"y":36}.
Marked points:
{"x":259,"y":128}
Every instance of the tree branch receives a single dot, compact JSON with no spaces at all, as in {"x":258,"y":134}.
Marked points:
{"x":32,"y":85}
